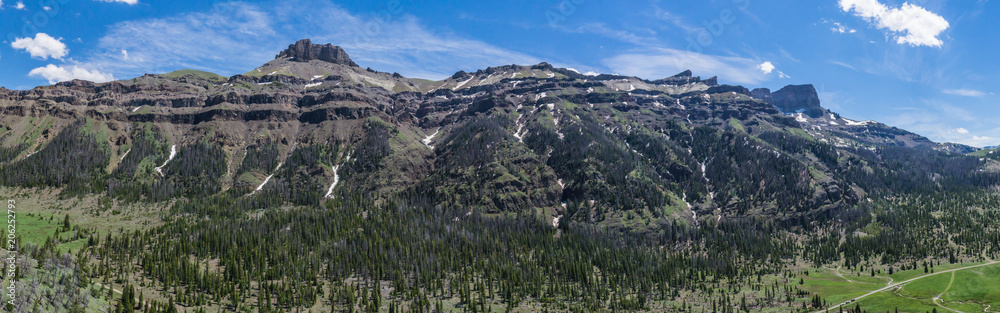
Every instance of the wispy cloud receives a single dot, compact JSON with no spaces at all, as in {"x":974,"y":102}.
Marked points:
{"x":601,"y":29}
{"x":663,"y":62}
{"x":840,"y":28}
{"x":944,"y":122}
{"x":235,"y":37}
{"x":964,"y":92}
{"x":842,"y":64}
{"x":129,"y":2}
{"x":913,"y":24}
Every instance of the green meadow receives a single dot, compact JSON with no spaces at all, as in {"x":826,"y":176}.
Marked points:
{"x":967,"y":289}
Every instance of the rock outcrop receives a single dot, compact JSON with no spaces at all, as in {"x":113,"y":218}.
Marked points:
{"x":792,"y":99}
{"x":304,"y":51}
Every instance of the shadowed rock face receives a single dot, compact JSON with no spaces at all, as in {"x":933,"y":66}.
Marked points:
{"x":792,"y":99}
{"x":304,"y":51}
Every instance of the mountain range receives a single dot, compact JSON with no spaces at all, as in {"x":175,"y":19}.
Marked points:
{"x":312,"y":124}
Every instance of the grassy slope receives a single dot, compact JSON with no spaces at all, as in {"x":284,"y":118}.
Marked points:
{"x":196,"y":73}
{"x":971,"y":291}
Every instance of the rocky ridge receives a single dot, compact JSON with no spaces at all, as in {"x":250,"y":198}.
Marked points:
{"x":533,"y":136}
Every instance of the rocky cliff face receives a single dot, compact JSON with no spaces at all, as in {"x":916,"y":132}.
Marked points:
{"x":798,"y":99}
{"x":304,"y":50}
{"x":762,"y":94}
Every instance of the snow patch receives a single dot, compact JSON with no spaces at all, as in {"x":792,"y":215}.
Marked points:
{"x":173,"y":153}
{"x":856,"y":123}
{"x":312,"y":85}
{"x":799,"y":117}
{"x":336,"y":179}
{"x":427,"y":140}
{"x":259,"y":188}
{"x":262,"y":84}
{"x":317,"y":77}
{"x":136,"y":109}
{"x":463,"y":83}
{"x":555,"y":221}
{"x":520,"y":126}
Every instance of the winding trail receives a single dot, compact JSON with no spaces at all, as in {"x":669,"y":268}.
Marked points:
{"x":937,"y":299}
{"x":891,"y":286}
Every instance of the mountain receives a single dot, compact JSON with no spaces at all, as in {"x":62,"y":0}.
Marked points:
{"x":313,"y":184}
{"x":602,"y":149}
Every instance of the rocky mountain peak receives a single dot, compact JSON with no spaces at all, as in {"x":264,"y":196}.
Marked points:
{"x":792,"y":99}
{"x":304,"y":50}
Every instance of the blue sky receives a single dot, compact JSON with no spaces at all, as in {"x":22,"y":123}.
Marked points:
{"x":926,"y":66}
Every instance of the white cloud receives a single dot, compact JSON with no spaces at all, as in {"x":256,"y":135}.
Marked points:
{"x":57,"y":74}
{"x":962,"y":131}
{"x":964,"y":92}
{"x":845,"y":65}
{"x":840,"y":28}
{"x":914,"y":25}
{"x":19,"y":5}
{"x":129,"y":2}
{"x":42,"y":46}
{"x":783,"y":75}
{"x":766,"y":67}
{"x":236,"y":37}
{"x":663,"y":62}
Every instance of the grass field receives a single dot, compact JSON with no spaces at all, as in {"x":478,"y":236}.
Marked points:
{"x":967,"y":290}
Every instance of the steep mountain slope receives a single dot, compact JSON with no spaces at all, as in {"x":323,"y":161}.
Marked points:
{"x":612,"y":150}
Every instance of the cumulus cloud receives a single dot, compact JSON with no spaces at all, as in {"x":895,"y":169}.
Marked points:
{"x":129,"y":2}
{"x":962,"y":131}
{"x":42,"y":46}
{"x":663,"y":62}
{"x":965,"y":92}
{"x":766,"y":67}
{"x":19,"y":5}
{"x":57,"y":74}
{"x":914,"y":25}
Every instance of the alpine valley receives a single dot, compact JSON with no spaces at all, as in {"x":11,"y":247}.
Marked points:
{"x":310,"y":184}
